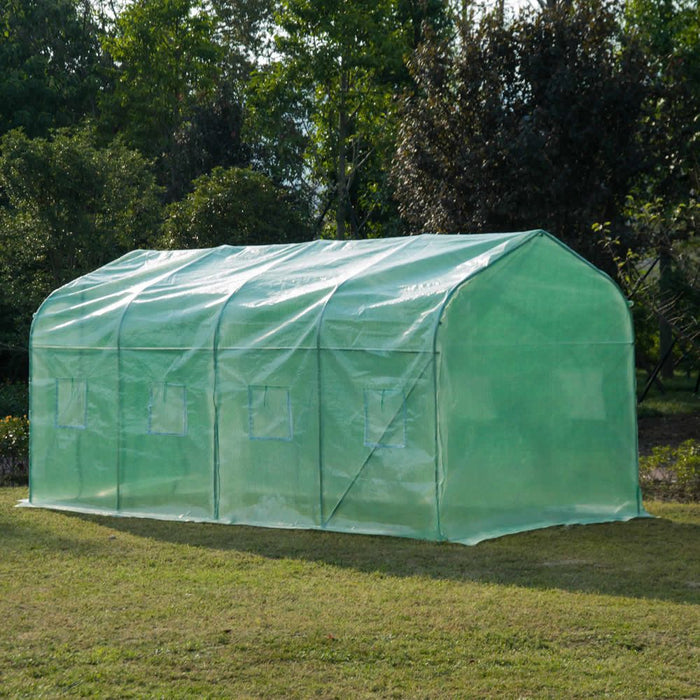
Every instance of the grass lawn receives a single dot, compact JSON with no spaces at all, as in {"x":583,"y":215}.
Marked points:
{"x":110,"y":607}
{"x":678,"y":396}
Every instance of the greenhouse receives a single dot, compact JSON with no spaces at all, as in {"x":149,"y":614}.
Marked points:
{"x":451,"y":387}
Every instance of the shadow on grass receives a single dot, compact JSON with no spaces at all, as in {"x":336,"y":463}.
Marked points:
{"x":658,"y":559}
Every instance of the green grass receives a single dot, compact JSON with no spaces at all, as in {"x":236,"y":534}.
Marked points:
{"x":109,"y":607}
{"x":678,"y":396}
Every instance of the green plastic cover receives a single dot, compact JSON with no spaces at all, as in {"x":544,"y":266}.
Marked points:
{"x":438,"y":387}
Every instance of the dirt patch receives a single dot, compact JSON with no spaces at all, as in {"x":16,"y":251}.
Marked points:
{"x":667,"y":430}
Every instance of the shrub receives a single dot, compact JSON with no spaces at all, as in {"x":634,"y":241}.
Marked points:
{"x":234,"y":206}
{"x":672,"y":473}
{"x":14,"y":450}
{"x":67,"y":206}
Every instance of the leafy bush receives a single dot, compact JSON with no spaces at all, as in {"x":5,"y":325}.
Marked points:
{"x":14,"y":450}
{"x":67,"y":206}
{"x":672,"y":473}
{"x":237,"y":207}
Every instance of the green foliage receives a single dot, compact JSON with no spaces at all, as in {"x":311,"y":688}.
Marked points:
{"x":14,"y":450}
{"x":237,"y":207}
{"x":667,"y":232}
{"x":166,"y":68}
{"x":50,"y":64}
{"x":669,"y":32}
{"x":659,"y":252}
{"x":210,"y":137}
{"x":67,"y":206}
{"x":14,"y":398}
{"x":525,"y":124}
{"x":244,"y":30}
{"x":672,"y":473}
{"x":658,"y":267}
{"x":164,"y":56}
{"x":331,"y":96}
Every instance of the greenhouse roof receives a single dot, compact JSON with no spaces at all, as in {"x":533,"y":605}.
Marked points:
{"x":272,"y":296}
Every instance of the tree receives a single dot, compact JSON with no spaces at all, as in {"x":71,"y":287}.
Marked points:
{"x":66,"y":207}
{"x":331,"y":94}
{"x":669,"y":33}
{"x":244,"y":30}
{"x":663,"y":208}
{"x":524,"y":124}
{"x":166,"y":86}
{"x":50,"y":64}
{"x":211,"y":137}
{"x":237,"y":207}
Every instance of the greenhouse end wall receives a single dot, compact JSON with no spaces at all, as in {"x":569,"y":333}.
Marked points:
{"x":536,"y":386}
{"x":361,"y":386}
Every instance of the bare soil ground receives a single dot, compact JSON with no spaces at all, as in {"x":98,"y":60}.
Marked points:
{"x":667,"y":430}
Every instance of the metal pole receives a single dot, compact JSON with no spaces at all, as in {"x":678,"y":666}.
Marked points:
{"x":656,"y":371}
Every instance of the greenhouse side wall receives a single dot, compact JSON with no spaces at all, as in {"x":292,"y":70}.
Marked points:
{"x":74,"y":459}
{"x":378,"y":442}
{"x":210,"y":391}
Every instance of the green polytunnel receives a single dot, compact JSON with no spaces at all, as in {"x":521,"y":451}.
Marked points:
{"x":446,"y":387}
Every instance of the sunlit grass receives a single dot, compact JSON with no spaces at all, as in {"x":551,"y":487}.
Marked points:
{"x":677,"y":398}
{"x":109,"y":607}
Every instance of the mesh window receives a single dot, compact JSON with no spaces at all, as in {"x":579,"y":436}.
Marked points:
{"x":581,"y":392}
{"x":269,"y":413}
{"x":167,"y":410}
{"x":71,"y":403}
{"x":385,"y":418}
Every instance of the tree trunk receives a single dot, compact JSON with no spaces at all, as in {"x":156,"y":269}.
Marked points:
{"x":341,"y":208}
{"x":665,"y":330}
